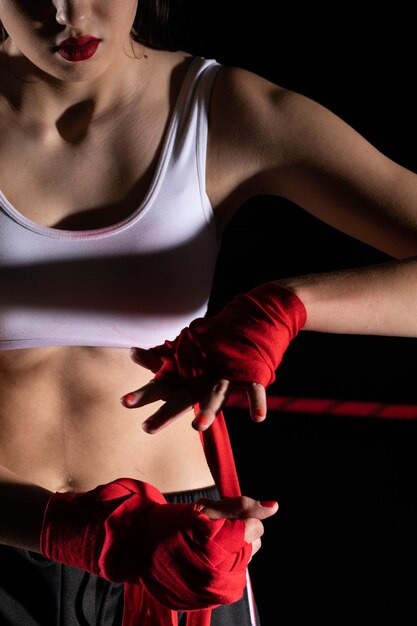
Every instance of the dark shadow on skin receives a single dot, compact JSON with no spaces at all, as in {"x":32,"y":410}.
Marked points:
{"x":19,"y":64}
{"x":43,"y":13}
{"x":103,"y":216}
{"x":74,"y":123}
{"x":108,"y":215}
{"x":168,"y":282}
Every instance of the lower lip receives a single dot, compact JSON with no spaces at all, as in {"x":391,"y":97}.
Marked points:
{"x":79,"y":53}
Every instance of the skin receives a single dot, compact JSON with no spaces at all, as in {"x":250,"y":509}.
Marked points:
{"x":262,"y":140}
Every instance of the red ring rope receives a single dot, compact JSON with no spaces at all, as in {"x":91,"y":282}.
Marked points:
{"x":327,"y":406}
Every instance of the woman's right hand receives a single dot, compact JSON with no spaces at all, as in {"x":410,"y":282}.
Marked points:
{"x":208,"y":552}
{"x":252,"y":511}
{"x":188,"y":556}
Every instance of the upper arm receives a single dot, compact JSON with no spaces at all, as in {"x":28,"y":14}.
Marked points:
{"x":289,"y":145}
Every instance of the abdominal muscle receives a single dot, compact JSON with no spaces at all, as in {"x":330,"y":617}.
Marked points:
{"x":62,"y":425}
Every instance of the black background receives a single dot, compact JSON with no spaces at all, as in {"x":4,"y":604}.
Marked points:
{"x":342,"y":548}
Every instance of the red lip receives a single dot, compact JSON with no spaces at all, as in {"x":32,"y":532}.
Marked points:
{"x":82,"y":41}
{"x":80,"y":49}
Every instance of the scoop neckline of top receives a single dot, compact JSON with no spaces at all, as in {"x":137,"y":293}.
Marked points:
{"x":144,"y":204}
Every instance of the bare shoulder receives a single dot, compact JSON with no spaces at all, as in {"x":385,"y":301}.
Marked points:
{"x":241,"y":108}
{"x":255,"y":117}
{"x":267,"y":139}
{"x":168,"y":58}
{"x":246,"y":122}
{"x":268,"y":131}
{"x":245,"y":89}
{"x":257,"y":122}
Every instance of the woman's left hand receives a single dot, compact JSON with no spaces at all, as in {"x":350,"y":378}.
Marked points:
{"x":178,"y":399}
{"x":238,"y":349}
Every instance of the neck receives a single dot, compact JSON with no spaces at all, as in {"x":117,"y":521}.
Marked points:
{"x":49,"y":104}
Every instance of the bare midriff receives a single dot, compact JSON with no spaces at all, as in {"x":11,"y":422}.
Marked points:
{"x":62,"y":425}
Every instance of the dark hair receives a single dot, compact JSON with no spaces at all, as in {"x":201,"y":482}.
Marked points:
{"x":153,"y":25}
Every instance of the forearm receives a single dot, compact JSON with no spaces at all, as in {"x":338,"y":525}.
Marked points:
{"x":22,"y":508}
{"x":374,"y":300}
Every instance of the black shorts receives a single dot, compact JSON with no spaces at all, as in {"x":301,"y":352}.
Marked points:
{"x":35,"y":591}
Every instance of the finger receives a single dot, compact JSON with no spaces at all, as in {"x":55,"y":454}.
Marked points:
{"x":179,"y":403}
{"x":257,"y":402}
{"x":254,"y":530}
{"x":211,"y":405}
{"x":256,"y":545}
{"x":241,"y":507}
{"x":147,"y":358}
{"x":151,"y":392}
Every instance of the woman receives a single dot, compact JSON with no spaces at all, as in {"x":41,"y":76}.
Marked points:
{"x":109,"y":236}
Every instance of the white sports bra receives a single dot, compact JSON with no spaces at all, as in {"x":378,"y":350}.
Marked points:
{"x":135,"y":283}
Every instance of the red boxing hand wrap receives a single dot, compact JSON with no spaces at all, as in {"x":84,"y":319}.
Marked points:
{"x":125,"y":531}
{"x":245,"y":342}
{"x":212,"y":554}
